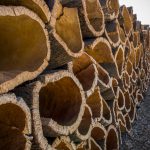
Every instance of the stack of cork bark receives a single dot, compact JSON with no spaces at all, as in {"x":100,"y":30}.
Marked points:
{"x":72,"y":73}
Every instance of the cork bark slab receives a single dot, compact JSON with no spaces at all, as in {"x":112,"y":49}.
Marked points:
{"x":15,"y":123}
{"x":25,"y":48}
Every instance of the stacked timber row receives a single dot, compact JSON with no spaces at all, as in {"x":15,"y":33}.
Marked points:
{"x":72,"y":73}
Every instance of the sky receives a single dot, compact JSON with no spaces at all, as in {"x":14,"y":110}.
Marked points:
{"x":140,"y":7}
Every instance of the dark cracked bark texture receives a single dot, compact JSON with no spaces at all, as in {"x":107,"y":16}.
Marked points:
{"x":139,"y":138}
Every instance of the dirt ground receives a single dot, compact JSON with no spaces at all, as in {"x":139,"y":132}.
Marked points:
{"x":139,"y":138}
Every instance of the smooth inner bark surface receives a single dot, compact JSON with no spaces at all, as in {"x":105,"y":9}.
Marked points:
{"x":114,"y":6}
{"x":112,"y":140}
{"x":86,"y":77}
{"x":127,"y":21}
{"x":86,"y":122}
{"x":120,"y":59}
{"x":127,"y":100}
{"x":106,"y":111}
{"x":132,"y":111}
{"x":23,"y":46}
{"x":61,"y":101}
{"x":94,"y":145}
{"x":98,"y":134}
{"x":103,"y":75}
{"x":95,"y":14}
{"x":84,"y":69}
{"x":101,"y":52}
{"x":120,"y":99}
{"x":12,"y":124}
{"x":68,"y":28}
{"x":113,"y":31}
{"x":95,"y":103}
{"x":122,"y":35}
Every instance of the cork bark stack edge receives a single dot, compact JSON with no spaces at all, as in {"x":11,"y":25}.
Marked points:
{"x":28,"y":56}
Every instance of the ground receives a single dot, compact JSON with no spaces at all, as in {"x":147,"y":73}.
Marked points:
{"x":139,"y":138}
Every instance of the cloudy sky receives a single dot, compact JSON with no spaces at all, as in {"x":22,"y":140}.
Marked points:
{"x":141,"y":8}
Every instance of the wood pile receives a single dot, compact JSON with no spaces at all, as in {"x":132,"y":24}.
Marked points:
{"x":72,"y":73}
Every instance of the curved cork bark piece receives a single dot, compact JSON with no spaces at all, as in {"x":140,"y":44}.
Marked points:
{"x":91,"y":16}
{"x":131,"y":87}
{"x":103,"y":77}
{"x":126,"y":80}
{"x":127,"y":48}
{"x":84,"y":129}
{"x":125,"y":20}
{"x":93,"y":145}
{"x":140,"y":85}
{"x":142,"y":74}
{"x":136,"y":39}
{"x":120,"y":59}
{"x":52,"y":92}
{"x":92,"y":23}
{"x":38,"y":6}
{"x":110,"y":8}
{"x":101,"y":51}
{"x":129,"y":67}
{"x":113,"y":108}
{"x":108,"y":94}
{"x":66,"y":86}
{"x":120,"y":99}
{"x":138,"y":54}
{"x":98,"y":134}
{"x":132,"y":55}
{"x":139,"y":97}
{"x":121,"y":121}
{"x":107,"y":116}
{"x":112,"y":139}
{"x":104,"y":83}
{"x":132,"y":111}
{"x":15,"y":123}
{"x":112,"y":32}
{"x":122,"y":35}
{"x":65,"y":35}
{"x":115,"y":112}
{"x":114,"y":84}
{"x":114,"y":7}
{"x":84,"y":68}
{"x":82,"y":146}
{"x":130,"y":10}
{"x":127,"y":100}
{"x":128,"y":123}
{"x":22,"y":58}
{"x":94,"y":101}
{"x":63,"y":143}
{"x":134,"y":76}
